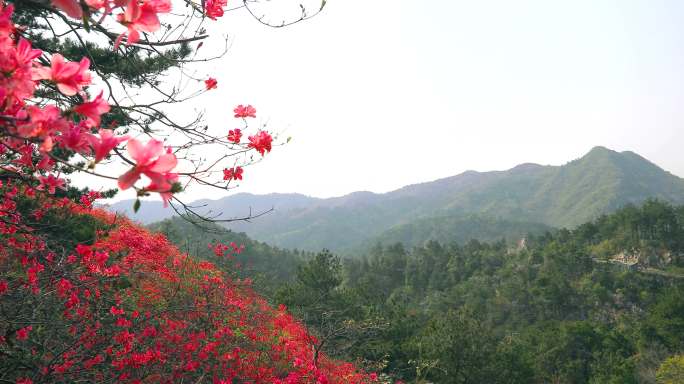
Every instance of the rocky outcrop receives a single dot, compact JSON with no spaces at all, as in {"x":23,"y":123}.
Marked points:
{"x":646,"y":257}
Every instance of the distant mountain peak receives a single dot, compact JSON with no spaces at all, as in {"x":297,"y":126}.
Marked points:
{"x":603,"y":152}
{"x":601,"y":149}
{"x":600,"y":152}
{"x":631,"y":163}
{"x":526,"y":167}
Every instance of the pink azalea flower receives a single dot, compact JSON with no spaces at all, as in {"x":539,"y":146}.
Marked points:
{"x":105,"y":143}
{"x":45,"y":163}
{"x":70,"y":7}
{"x":99,"y":4}
{"x":150,"y":160}
{"x":43,"y":123}
{"x":93,"y":110}
{"x":164,"y":186}
{"x":6,"y":24}
{"x":17,"y":61}
{"x":70,"y":77}
{"x":141,"y":18}
{"x":25,"y":53}
{"x":26,"y":158}
{"x":75,"y":139}
{"x":244,"y":111}
{"x":50,"y":183}
{"x":19,"y":86}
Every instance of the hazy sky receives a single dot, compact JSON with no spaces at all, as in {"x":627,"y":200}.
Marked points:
{"x":378,"y":94}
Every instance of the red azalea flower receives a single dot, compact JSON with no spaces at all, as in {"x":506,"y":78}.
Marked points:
{"x":261,"y":142}
{"x":234,"y":135}
{"x":26,"y":158}
{"x":232,"y":173}
{"x":50,"y":183}
{"x":23,"y":333}
{"x":116,"y":311}
{"x":214,"y":8}
{"x":210,"y":83}
{"x":244,"y":111}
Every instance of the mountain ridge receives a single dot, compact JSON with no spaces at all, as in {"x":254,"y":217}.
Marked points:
{"x":557,"y":196}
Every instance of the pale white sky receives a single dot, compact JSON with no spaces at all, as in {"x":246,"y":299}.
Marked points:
{"x":378,"y":94}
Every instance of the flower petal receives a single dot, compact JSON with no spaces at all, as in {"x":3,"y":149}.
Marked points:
{"x":129,"y":178}
{"x":67,"y":89}
{"x":164,"y":163}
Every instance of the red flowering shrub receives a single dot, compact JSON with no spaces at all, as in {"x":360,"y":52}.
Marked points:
{"x":89,"y":296}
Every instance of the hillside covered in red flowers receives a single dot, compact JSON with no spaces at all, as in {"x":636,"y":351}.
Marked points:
{"x":87,"y":296}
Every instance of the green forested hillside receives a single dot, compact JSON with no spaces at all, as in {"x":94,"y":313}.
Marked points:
{"x":268,"y":266}
{"x":548,"y":312}
{"x":560,"y":308}
{"x":557,"y":196}
{"x":459,"y":229}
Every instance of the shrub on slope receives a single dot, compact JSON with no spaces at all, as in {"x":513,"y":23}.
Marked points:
{"x":88,"y":296}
